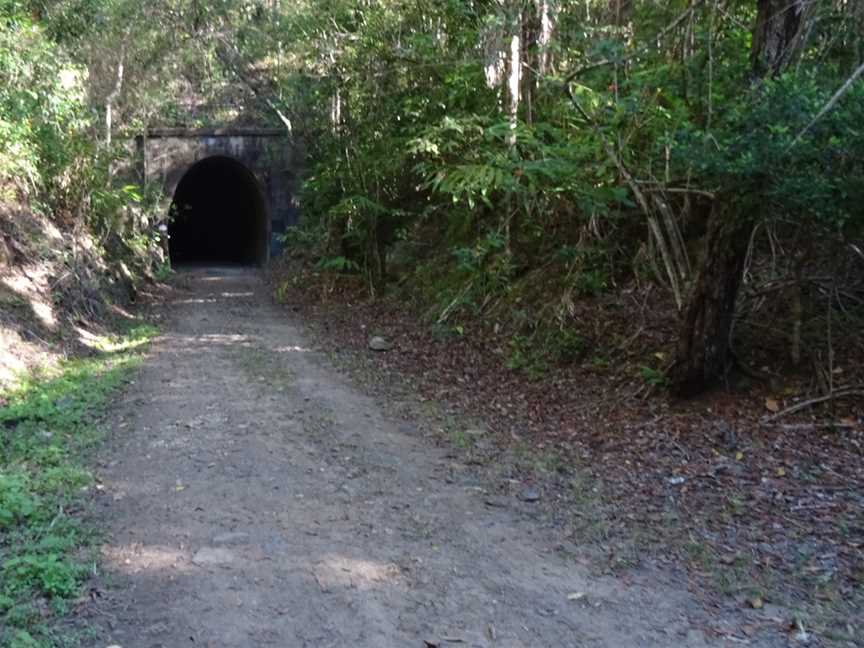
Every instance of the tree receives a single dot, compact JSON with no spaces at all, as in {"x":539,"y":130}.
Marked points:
{"x":704,"y":351}
{"x":777,"y":34}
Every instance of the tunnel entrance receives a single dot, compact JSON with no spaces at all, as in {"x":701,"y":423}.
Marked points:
{"x":218,"y":215}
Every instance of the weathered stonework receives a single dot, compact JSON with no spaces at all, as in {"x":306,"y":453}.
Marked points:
{"x":166,"y":154}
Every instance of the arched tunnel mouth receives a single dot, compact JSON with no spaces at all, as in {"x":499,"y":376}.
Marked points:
{"x":218,"y":215}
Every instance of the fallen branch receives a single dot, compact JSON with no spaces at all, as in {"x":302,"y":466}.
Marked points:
{"x":681,"y":190}
{"x":830,"y":425}
{"x":840,"y":393}
{"x":453,"y":304}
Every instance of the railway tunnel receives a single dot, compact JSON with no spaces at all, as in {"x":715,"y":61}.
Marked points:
{"x":218,"y":215}
{"x":228,"y":193}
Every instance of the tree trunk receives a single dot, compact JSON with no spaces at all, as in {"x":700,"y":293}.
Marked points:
{"x":776,"y":35}
{"x":544,"y":40}
{"x":703,"y":355}
{"x":514,"y":75}
{"x":620,"y":12}
{"x":530,"y":58}
{"x":336,"y":110}
{"x":113,"y":96}
{"x":704,"y":345}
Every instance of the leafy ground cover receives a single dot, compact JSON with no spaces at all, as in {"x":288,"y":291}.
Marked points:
{"x":760,"y":513}
{"x":49,"y":422}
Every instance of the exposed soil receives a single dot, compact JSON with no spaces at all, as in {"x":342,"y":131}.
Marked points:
{"x":56,"y":292}
{"x":253,"y":496}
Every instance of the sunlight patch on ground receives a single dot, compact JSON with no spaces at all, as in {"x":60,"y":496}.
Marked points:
{"x":194,"y":301}
{"x":44,"y":312}
{"x":341,"y":571}
{"x":88,"y":339}
{"x":224,"y":338}
{"x":217,"y":298}
{"x":208,"y":339}
{"x":12,"y":365}
{"x":27,"y":323}
{"x":114,"y":343}
{"x":24,"y":288}
{"x":133,"y":559}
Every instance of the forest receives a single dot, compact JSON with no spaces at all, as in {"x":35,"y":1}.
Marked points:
{"x":577,"y":214}
{"x":551,"y":152}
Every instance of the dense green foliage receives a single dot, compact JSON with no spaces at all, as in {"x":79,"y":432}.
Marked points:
{"x":41,"y":106}
{"x":629,"y":130}
{"x":51,"y":158}
{"x":468,"y":152}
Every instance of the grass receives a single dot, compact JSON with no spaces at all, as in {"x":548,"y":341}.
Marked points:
{"x":49,"y":423}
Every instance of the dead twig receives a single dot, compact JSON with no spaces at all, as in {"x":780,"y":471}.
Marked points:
{"x":830,"y":425}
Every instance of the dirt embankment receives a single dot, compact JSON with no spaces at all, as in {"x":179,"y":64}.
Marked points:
{"x":56,"y":292}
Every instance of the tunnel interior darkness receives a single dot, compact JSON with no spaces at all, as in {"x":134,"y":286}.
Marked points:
{"x":218,"y":215}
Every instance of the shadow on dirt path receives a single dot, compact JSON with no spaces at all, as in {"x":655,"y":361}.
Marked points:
{"x":253,"y":497}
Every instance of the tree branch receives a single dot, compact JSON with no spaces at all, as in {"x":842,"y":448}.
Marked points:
{"x":831,"y":103}
{"x":660,"y":36}
{"x":841,"y":393}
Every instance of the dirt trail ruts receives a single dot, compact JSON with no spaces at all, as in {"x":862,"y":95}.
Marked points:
{"x":253,"y":497}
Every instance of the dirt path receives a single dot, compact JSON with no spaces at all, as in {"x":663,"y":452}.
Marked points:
{"x":253,"y":497}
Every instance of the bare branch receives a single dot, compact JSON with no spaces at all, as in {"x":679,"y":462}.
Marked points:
{"x":831,"y":103}
{"x":840,"y":393}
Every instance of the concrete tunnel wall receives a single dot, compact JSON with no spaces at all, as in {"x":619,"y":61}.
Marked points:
{"x":269,"y":155}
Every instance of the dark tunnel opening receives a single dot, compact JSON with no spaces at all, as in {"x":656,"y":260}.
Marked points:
{"x":218,"y":215}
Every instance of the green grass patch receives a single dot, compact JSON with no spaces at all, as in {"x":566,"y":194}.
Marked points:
{"x":49,"y":421}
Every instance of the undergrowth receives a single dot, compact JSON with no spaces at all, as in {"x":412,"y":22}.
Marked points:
{"x":49,"y":422}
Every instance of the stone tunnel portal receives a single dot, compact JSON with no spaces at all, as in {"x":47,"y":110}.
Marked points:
{"x":218,"y":215}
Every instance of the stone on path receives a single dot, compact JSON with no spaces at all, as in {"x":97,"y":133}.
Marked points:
{"x":378,"y":343}
{"x":529,"y":495}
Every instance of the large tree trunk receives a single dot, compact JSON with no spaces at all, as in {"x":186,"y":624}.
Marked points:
{"x":538,"y":23}
{"x":704,"y":344}
{"x":703,"y":355}
{"x":777,"y":34}
{"x":530,"y":58}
